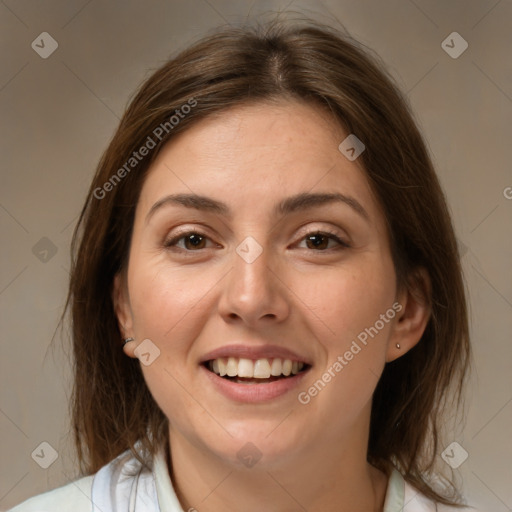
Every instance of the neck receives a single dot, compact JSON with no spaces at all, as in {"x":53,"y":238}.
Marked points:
{"x":318,"y":478}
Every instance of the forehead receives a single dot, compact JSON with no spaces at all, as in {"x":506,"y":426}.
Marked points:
{"x":254,"y":155}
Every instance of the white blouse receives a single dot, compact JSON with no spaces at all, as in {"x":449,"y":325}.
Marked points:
{"x":125,"y":484}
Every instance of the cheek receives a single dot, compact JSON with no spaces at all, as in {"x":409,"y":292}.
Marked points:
{"x":164,"y":299}
{"x":356,"y":341}
{"x":344,"y":302}
{"x":168,"y":309}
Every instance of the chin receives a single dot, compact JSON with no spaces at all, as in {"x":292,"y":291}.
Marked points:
{"x":266,"y":444}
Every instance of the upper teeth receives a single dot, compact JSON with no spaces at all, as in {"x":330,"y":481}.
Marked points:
{"x":259,"y":369}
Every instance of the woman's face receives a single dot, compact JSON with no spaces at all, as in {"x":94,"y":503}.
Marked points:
{"x":250,"y":265}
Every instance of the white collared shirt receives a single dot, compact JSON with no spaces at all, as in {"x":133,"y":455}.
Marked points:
{"x":125,"y":485}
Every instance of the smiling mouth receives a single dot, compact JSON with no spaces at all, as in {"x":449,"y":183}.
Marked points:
{"x":259,"y":371}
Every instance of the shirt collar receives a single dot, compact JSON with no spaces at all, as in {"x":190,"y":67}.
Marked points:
{"x":167,"y":498}
{"x":395,"y":494}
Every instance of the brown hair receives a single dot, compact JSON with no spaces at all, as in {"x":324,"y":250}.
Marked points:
{"x":112,"y":407}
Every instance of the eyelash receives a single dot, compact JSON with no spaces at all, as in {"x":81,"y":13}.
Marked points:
{"x":333,"y":236}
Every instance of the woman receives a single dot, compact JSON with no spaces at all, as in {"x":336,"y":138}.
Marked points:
{"x":267,"y":302}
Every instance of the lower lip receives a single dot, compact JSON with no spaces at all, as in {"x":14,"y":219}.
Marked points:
{"x":253,"y":392}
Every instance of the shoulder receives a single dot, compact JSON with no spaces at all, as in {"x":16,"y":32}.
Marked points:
{"x":120,"y":484}
{"x":72,"y":497}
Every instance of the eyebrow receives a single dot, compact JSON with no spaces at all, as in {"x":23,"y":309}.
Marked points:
{"x":302,"y":201}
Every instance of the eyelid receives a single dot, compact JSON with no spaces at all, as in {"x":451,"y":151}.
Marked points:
{"x":336,"y":232}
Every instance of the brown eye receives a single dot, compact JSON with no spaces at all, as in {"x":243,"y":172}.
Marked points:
{"x":192,"y":241}
{"x":319,"y":240}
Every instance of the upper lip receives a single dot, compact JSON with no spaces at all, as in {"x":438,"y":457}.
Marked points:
{"x":254,"y":352}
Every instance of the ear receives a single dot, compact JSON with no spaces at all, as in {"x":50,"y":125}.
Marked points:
{"x":413,"y":317}
{"x":122,"y":309}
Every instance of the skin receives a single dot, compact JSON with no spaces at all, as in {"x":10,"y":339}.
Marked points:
{"x":189,"y":301}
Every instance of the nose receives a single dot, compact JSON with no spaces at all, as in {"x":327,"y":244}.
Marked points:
{"x":254,"y":292}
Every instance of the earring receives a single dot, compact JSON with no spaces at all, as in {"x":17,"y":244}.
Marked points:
{"x":127,"y":340}
{"x":398,"y":345}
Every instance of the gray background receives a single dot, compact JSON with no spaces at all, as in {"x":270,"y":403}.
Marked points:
{"x":58,"y":114}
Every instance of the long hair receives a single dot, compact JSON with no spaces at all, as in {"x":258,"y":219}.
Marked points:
{"x":112,"y":408}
